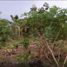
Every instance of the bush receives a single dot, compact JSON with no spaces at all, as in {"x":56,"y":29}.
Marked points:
{"x":25,"y":42}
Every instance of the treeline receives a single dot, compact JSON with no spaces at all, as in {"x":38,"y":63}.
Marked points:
{"x":48,"y":24}
{"x":50,"y":21}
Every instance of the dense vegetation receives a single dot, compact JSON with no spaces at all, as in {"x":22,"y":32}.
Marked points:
{"x":41,"y":34}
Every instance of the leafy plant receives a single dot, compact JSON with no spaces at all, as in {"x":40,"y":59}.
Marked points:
{"x":25,"y":42}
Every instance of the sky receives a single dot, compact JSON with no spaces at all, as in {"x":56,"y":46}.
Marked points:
{"x":19,"y":7}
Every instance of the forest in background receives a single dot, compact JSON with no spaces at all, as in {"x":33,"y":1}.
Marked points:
{"x":40,"y":35}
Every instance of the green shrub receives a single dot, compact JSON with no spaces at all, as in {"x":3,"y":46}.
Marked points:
{"x":25,"y":42}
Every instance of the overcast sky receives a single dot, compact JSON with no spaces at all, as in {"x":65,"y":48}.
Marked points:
{"x":19,"y":7}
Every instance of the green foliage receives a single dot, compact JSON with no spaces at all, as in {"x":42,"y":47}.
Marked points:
{"x":4,"y":35}
{"x":25,"y":42}
{"x":4,"y":31}
{"x":23,"y":58}
{"x":50,"y":21}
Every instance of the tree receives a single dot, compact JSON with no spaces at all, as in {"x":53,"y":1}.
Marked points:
{"x":4,"y":30}
{"x":48,"y":21}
